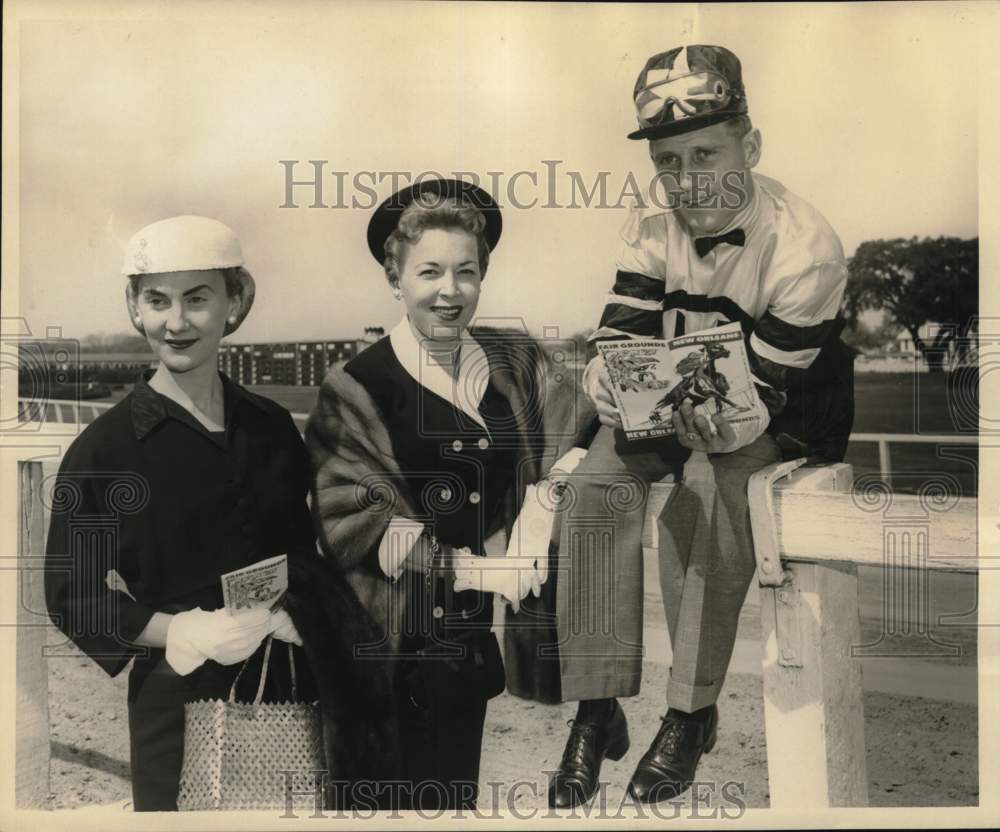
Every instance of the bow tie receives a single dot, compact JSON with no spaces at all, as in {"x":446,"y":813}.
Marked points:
{"x":703,"y":245}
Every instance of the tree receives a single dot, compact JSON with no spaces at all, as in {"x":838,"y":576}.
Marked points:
{"x":867,"y":338}
{"x":114,"y":342}
{"x":918,"y":281}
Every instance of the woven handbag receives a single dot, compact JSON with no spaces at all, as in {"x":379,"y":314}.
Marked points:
{"x":238,"y":755}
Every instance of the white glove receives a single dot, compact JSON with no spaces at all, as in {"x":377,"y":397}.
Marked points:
{"x":566,"y":464}
{"x":284,"y":628}
{"x":196,"y":635}
{"x":531,"y":533}
{"x":513,"y":578}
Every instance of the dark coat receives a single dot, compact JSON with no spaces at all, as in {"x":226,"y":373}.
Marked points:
{"x":179,"y":508}
{"x":147,"y":491}
{"x":351,"y":449}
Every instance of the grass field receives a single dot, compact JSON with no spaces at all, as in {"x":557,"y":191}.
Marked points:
{"x":919,"y":404}
{"x":884,"y":403}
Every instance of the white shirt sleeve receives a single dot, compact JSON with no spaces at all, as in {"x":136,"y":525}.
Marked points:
{"x":398,"y":541}
{"x":800,"y":316}
{"x":634,"y":306}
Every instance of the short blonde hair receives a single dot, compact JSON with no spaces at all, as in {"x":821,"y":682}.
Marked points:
{"x":430,"y":210}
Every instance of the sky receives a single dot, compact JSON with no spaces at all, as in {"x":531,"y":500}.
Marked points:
{"x":866,"y":110}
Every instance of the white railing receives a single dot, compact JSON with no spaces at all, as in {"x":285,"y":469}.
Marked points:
{"x":60,"y":411}
{"x":71,"y":411}
{"x":884,"y":441}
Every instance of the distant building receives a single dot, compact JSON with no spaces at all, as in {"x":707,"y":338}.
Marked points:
{"x":63,"y":363}
{"x":928,"y":332}
{"x":117,"y":360}
{"x":300,"y":363}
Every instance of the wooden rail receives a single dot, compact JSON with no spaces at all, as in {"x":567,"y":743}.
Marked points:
{"x":886,"y":440}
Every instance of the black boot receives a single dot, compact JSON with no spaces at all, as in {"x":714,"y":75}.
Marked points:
{"x":668,"y":768}
{"x":593,"y":736}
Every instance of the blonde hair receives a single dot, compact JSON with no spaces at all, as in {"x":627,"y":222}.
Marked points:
{"x":430,"y":210}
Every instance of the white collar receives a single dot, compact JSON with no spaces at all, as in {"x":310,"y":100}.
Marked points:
{"x":464,"y":391}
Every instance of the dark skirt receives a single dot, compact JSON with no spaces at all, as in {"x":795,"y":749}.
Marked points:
{"x":441,"y":747}
{"x":450,"y":668}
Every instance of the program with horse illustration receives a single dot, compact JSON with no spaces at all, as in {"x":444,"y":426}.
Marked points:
{"x":651,"y":377}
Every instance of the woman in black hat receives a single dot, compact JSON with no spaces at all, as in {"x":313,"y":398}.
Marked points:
{"x":422,"y":447}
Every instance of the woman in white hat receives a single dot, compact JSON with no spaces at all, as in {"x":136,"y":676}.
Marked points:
{"x":196,"y":477}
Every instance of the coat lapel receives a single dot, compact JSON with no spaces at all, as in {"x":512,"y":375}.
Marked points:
{"x":463,"y":391}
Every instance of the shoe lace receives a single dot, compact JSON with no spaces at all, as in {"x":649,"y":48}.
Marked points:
{"x":575,"y":756}
{"x":670,"y":735}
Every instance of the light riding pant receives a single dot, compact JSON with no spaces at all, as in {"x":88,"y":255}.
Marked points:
{"x":706,"y":564}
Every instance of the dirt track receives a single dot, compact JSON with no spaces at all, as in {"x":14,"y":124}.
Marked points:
{"x":921,"y":752}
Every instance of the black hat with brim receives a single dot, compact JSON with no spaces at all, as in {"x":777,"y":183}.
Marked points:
{"x":386,"y":216}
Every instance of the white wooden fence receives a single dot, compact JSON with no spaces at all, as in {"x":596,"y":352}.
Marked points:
{"x":886,"y":440}
{"x":84,"y":412}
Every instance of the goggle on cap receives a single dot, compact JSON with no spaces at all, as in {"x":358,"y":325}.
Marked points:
{"x":190,"y":243}
{"x":687,"y":88}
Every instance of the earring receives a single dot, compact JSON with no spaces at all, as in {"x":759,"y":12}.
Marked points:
{"x":231,"y":319}
{"x":397,"y":294}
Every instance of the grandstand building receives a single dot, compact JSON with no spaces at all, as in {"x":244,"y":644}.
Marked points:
{"x":300,"y":363}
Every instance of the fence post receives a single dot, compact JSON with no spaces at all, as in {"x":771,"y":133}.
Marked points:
{"x":813,"y":709}
{"x":32,"y":701}
{"x":885,"y":460}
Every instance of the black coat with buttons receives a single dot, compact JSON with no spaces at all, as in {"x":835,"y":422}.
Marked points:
{"x":459,"y":473}
{"x":383,"y":446}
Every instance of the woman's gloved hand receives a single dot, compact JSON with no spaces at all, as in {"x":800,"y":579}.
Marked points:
{"x":511,"y":577}
{"x":196,"y":635}
{"x":283,"y":628}
{"x":531,"y":534}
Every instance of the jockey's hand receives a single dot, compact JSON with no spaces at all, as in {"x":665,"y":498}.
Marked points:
{"x":604,"y":401}
{"x":695,"y":432}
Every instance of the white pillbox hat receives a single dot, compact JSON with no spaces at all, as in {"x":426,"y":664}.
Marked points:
{"x":190,"y":243}
{"x":181,"y":244}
